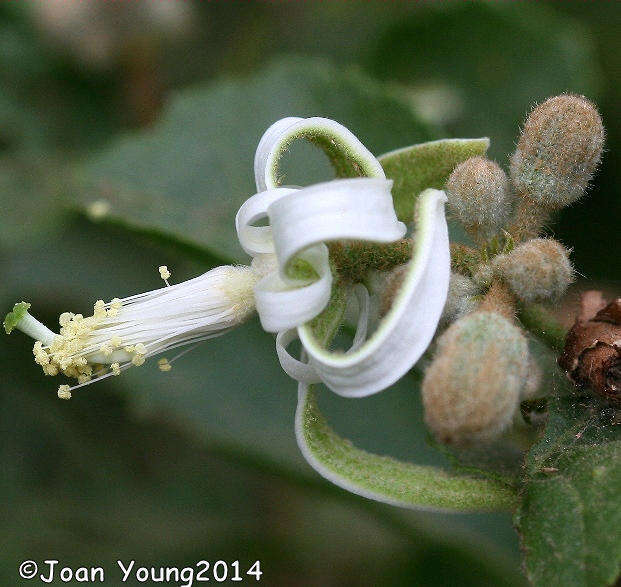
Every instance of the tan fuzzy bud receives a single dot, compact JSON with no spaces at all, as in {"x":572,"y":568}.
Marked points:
{"x":558,"y":151}
{"x":472,"y":388}
{"x":479,"y":195}
{"x":536,"y":270}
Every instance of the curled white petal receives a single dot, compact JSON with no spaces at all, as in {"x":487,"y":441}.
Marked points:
{"x":271,"y":137}
{"x":407,"y":329}
{"x":358,"y":208}
{"x":277,"y":138}
{"x":284,"y":303}
{"x":301,"y":370}
{"x":298,"y":370}
{"x":256,"y":240}
{"x":301,"y":220}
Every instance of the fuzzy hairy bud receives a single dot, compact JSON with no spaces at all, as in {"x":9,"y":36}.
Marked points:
{"x":460,"y":299}
{"x":479,"y":195}
{"x":472,"y":388}
{"x":536,"y":270}
{"x":558,"y":151}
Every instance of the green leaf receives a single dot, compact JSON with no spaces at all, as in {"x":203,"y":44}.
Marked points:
{"x":418,"y":167}
{"x":189,"y":174}
{"x":570,"y":516}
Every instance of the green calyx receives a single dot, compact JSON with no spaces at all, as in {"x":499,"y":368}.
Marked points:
{"x":13,"y":318}
{"x":355,"y":259}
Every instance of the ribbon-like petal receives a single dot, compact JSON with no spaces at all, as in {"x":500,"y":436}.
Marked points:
{"x":406,"y":331}
{"x":360,"y":209}
{"x":347,"y":153}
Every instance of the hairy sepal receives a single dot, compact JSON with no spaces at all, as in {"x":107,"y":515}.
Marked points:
{"x":427,"y":165}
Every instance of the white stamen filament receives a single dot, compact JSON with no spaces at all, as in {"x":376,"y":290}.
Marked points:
{"x":125,"y":332}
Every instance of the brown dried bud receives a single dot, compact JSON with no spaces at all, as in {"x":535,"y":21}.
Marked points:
{"x":592,"y":354}
{"x":558,"y":151}
{"x":479,"y":194}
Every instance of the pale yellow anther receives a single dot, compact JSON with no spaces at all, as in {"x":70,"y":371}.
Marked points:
{"x":138,"y":360}
{"x":64,"y":392}
{"x":65,"y":318}
{"x":116,"y":341}
{"x":84,"y":378}
{"x":50,"y":369}
{"x":115,"y":307}
{"x":164,"y":272}
{"x":106,"y":349}
{"x":78,"y":317}
{"x":42,"y":359}
{"x":140,"y":349}
{"x":116,"y":369}
{"x":99,"y":310}
{"x":164,"y":365}
{"x":129,"y":348}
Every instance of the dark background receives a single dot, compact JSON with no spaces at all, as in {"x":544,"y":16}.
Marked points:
{"x":202,"y":464}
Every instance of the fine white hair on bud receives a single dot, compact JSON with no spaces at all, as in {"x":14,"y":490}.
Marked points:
{"x":536,"y":270}
{"x":479,"y":195}
{"x":126,"y":332}
{"x":472,"y":388}
{"x":558,"y":151}
{"x":461,"y":299}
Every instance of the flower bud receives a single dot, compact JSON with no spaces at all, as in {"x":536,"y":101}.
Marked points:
{"x":558,"y":151}
{"x":472,"y":388}
{"x":536,"y":270}
{"x":479,"y":195}
{"x":460,"y":299}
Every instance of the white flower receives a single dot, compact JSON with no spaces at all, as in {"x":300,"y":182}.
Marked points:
{"x":301,"y":221}
{"x":289,"y":282}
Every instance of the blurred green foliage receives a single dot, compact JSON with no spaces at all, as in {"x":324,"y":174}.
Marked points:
{"x":202,"y":462}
